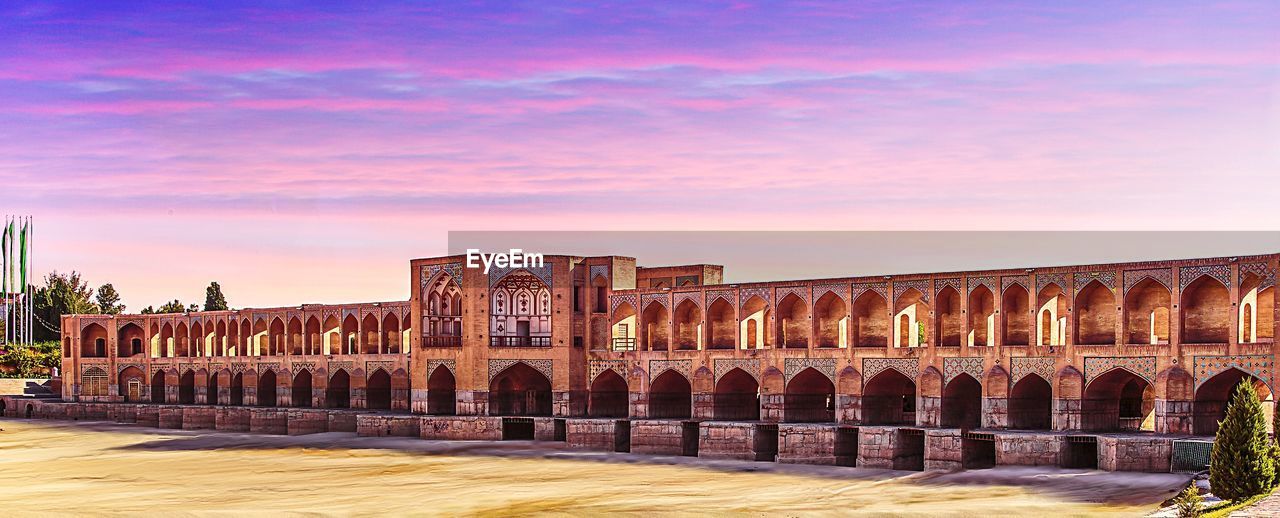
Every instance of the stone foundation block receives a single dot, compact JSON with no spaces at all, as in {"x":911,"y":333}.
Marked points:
{"x":943,"y":450}
{"x":377,"y":425}
{"x":269,"y":420}
{"x":171,"y":417}
{"x":663,"y":437}
{"x":342,"y":421}
{"x":231,"y":419}
{"x":1135,"y":453}
{"x":1028,"y":449}
{"x":461,"y":428}
{"x":596,"y":434}
{"x":807,"y":443}
{"x":307,"y":421}
{"x":199,"y":417}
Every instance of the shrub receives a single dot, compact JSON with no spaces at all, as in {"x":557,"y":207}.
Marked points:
{"x":1240,"y":465}
{"x":1189,"y":503}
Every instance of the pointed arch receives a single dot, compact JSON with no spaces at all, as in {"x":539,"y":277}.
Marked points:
{"x":982,"y":317}
{"x":520,"y":390}
{"x":670,"y":396}
{"x":688,"y":318}
{"x":1015,"y":307}
{"x":793,"y":322}
{"x":441,"y":392}
{"x":1095,"y":314}
{"x":721,"y":323}
{"x":870,"y":324}
{"x":655,"y":327}
{"x":1147,"y":309}
{"x":378,"y":390}
{"x":1031,"y":403}
{"x":624,"y":327}
{"x":889,"y":398}
{"x":736,"y":397}
{"x":1205,"y":311}
{"x":337,"y":392}
{"x":93,"y":341}
{"x":608,"y":395}
{"x":962,"y":403}
{"x":831,"y":321}
{"x":809,"y":397}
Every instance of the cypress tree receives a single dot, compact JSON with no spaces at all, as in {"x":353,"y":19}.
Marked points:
{"x":1240,"y":465}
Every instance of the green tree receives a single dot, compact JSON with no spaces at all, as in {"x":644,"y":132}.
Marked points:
{"x":193,"y":307}
{"x":172,"y":307}
{"x":148,"y":310}
{"x":109,"y":300}
{"x":213,"y":298}
{"x":62,"y":294}
{"x":1240,"y":465}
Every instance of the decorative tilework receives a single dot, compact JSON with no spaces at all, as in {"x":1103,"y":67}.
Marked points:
{"x":799,"y":291}
{"x":657,"y":367}
{"x":881,"y":287}
{"x":617,"y":300}
{"x":940,"y":284}
{"x":760,"y":291}
{"x":304,"y":366}
{"x":901,"y":286}
{"x":726,"y":295}
{"x":266,"y":366}
{"x":1020,"y":367}
{"x":1261,"y":270}
{"x":120,"y":367}
{"x":695,"y":296}
{"x":1143,"y":366}
{"x":661,"y":298}
{"x":344,"y":365}
{"x":370,"y":366}
{"x":973,"y":366}
{"x":448,"y":364}
{"x":909,"y":367}
{"x":497,"y":366}
{"x":598,"y":366}
{"x":598,"y":270}
{"x":988,"y":281}
{"x":1161,"y":275}
{"x":237,"y":368}
{"x":429,"y":272}
{"x":841,"y":290}
{"x":543,"y":273}
{"x":722,"y":366}
{"x":1206,"y":367}
{"x":1021,"y":280}
{"x":794,"y":366}
{"x":1106,"y":277}
{"x":1188,"y":274}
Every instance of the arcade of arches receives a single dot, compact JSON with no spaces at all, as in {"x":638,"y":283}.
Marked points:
{"x":1154,"y":346}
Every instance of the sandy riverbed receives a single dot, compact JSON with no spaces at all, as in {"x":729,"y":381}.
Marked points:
{"x":96,"y":468}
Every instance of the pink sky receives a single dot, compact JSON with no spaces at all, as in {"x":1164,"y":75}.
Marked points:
{"x":305,"y":153}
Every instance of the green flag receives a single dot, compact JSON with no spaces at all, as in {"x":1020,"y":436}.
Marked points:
{"x":23,"y":255}
{"x":4,"y":244}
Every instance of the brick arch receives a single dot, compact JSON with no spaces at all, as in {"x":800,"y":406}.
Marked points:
{"x":703,"y":380}
{"x":1070,"y":383}
{"x":849,"y":382}
{"x":1176,"y":384}
{"x":773,"y":381}
{"x":930,"y":382}
{"x":996,"y":382}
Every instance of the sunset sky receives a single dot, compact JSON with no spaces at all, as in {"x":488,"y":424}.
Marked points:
{"x":304,"y":152}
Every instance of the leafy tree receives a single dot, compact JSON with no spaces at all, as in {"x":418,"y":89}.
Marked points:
{"x":193,"y":308}
{"x":62,"y":294}
{"x":213,"y":298}
{"x":1188,"y":503}
{"x":148,"y":310}
{"x":109,"y":300}
{"x":172,"y":307}
{"x":1240,"y":465}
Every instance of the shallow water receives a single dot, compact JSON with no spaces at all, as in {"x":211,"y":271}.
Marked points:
{"x":82,"y":468}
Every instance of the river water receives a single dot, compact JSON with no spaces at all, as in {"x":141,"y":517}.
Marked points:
{"x":96,"y":468}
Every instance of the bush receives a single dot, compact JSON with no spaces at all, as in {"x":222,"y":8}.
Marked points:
{"x":34,"y":361}
{"x":1189,"y":503}
{"x":1240,"y":465}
